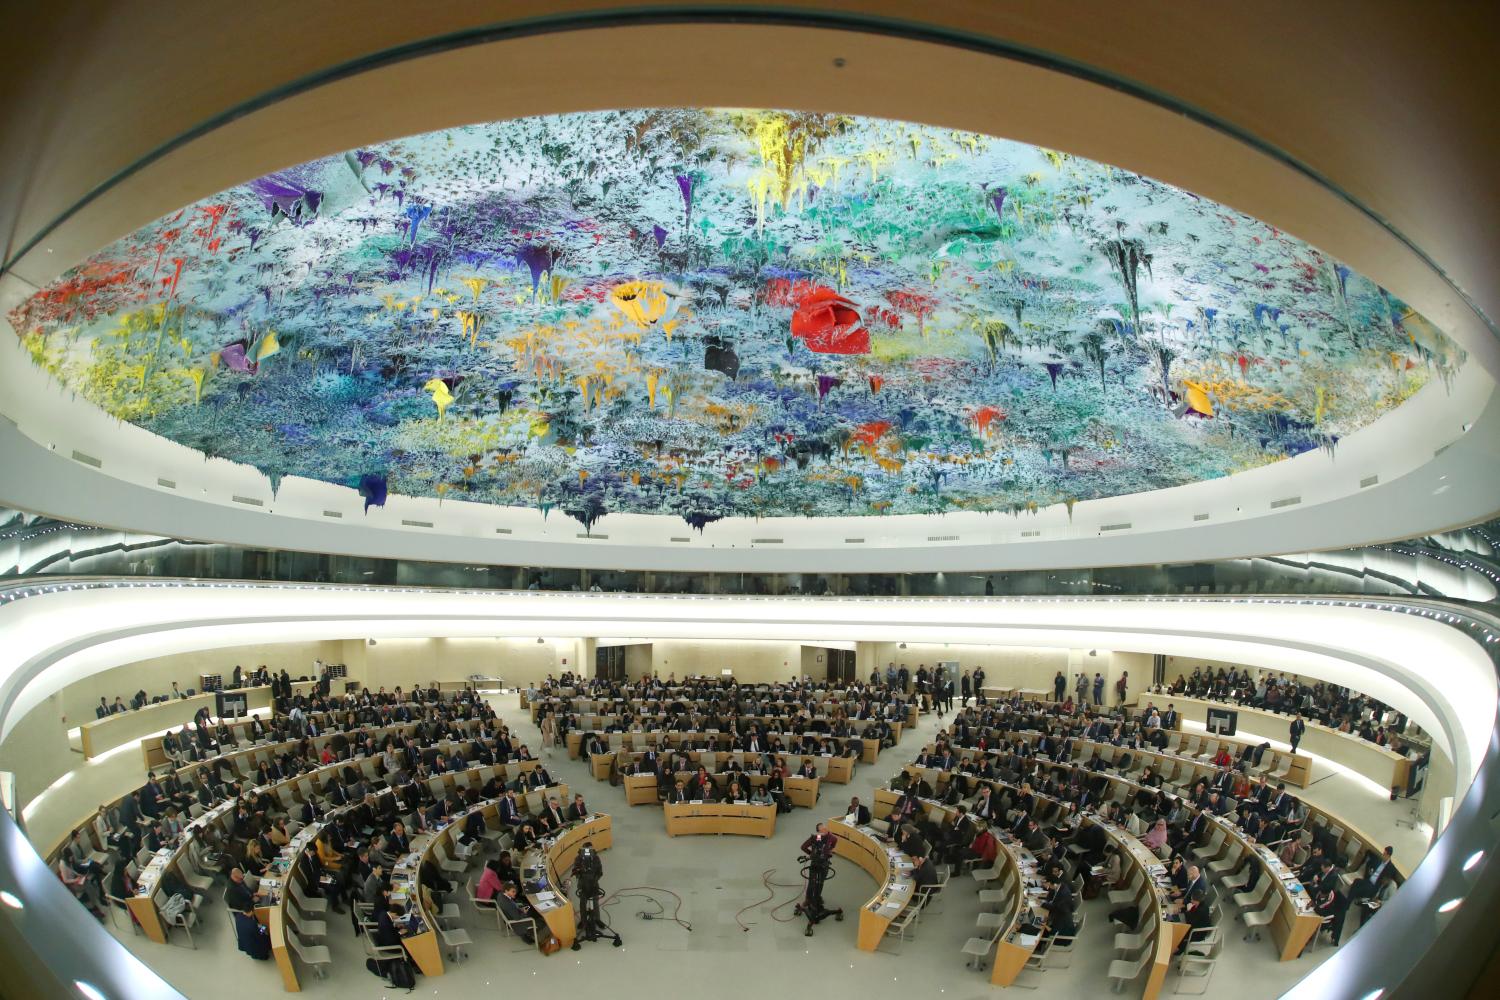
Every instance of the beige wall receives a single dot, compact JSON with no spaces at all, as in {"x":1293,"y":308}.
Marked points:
{"x":519,"y":661}
{"x":37,"y":750}
{"x":752,"y":662}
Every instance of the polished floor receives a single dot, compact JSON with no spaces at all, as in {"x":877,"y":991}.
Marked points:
{"x":736,"y":894}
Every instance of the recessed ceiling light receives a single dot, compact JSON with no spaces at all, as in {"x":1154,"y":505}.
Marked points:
{"x":1450,"y":906}
{"x":1473,"y":860}
{"x":11,"y":900}
{"x":89,"y":990}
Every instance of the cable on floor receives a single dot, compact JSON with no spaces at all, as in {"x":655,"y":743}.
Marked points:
{"x":636,"y":891}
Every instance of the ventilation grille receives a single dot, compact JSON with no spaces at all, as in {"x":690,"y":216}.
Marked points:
{"x":1123,"y":526}
{"x":170,"y":484}
{"x":1434,"y":454}
{"x":592,"y":538}
{"x":1285,"y":502}
{"x":333,"y":513}
{"x":1031,"y":534}
{"x":675,"y":538}
{"x":765,"y":541}
{"x":415,"y":524}
{"x":502,"y":531}
{"x":248,"y":501}
{"x":1200,"y":517}
{"x":942,"y":538}
{"x":1368,"y":481}
{"x":79,"y":456}
{"x":854,"y":541}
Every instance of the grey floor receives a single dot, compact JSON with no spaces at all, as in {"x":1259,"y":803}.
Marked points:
{"x":718,"y":880}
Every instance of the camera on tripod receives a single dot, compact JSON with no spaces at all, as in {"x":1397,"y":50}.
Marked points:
{"x":817,"y":857}
{"x":587,"y":871}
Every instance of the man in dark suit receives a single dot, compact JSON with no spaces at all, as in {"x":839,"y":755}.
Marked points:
{"x":1059,"y":903}
{"x":1380,"y":871}
{"x":510,"y":812}
{"x":1297,"y":728}
{"x":679,"y":793}
{"x":578,"y":811}
{"x":861,"y":813}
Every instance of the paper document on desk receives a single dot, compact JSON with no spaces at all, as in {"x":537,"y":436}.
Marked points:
{"x":1026,"y":940}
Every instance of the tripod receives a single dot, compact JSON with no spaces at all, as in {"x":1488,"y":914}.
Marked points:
{"x":818,"y":871}
{"x":591,"y":926}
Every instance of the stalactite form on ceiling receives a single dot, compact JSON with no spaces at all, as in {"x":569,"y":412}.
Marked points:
{"x":721,"y":313}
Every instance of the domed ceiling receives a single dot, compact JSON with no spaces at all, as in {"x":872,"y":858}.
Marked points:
{"x":728,"y":313}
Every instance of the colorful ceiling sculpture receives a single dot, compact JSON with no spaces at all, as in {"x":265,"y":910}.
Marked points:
{"x":713,"y":314}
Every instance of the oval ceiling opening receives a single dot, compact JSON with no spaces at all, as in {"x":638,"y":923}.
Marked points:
{"x":727,"y":313}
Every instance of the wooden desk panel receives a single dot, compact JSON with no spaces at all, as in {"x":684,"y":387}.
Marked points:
{"x":640,"y":789}
{"x":741,"y":818}
{"x":894,"y":885}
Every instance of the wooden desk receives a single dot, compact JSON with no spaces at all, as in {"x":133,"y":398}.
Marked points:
{"x":719,"y":817}
{"x":1014,"y":949}
{"x":600,"y":765}
{"x":872,"y":751}
{"x":892,"y":871}
{"x":640,"y":789}
{"x":558,"y":857}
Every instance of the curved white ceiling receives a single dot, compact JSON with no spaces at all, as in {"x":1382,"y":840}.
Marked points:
{"x":1407,"y":494}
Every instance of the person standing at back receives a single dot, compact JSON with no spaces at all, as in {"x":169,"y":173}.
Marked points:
{"x":1098,"y":688}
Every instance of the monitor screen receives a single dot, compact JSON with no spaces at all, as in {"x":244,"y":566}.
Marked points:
{"x":1222,"y":721}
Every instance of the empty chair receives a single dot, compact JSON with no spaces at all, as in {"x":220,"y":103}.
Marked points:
{"x":1197,"y":963}
{"x":315,"y":955}
{"x":984,"y":876}
{"x":1256,"y":919}
{"x":1213,"y":848}
{"x":446,"y":863}
{"x":455,"y":939}
{"x":1120,"y":897}
{"x":1230,"y":859}
{"x":314,"y":929}
{"x":903,"y":923}
{"x":1125,"y":970}
{"x":311,"y":904}
{"x":1252,"y":900}
{"x":980,"y":948}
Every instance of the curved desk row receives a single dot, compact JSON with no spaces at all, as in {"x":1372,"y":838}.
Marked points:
{"x":889,"y":867}
{"x":838,"y":768}
{"x":1179,"y":771}
{"x":1383,"y":766}
{"x":289,"y":792}
{"x":1145,"y":869}
{"x":1014,"y":947}
{"x":242,"y":761}
{"x":286,"y":868}
{"x":744,"y":818}
{"x":1295,"y":921}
